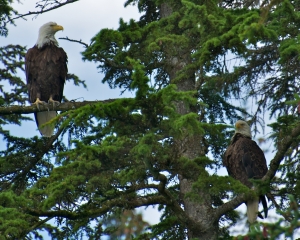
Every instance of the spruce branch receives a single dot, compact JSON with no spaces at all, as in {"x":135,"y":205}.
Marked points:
{"x":22,"y":175}
{"x":128,"y":203}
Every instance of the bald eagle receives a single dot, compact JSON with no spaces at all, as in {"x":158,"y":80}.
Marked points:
{"x":244,"y":160}
{"x":46,"y":71}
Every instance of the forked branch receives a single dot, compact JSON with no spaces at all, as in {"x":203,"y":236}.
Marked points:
{"x":74,"y":40}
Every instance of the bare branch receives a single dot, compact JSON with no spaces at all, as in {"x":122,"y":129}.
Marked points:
{"x":73,"y":40}
{"x":47,"y":107}
{"x":43,"y":8}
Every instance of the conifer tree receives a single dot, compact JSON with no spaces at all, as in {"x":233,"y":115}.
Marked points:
{"x":185,"y":61}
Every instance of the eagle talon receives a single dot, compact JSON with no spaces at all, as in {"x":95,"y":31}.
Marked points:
{"x":37,"y":102}
{"x":54,"y":103}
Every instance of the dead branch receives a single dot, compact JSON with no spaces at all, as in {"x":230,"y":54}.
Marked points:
{"x":44,"y":8}
{"x":73,"y":40}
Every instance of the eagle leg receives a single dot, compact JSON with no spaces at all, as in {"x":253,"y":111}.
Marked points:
{"x":37,"y":102}
{"x":54,"y":103}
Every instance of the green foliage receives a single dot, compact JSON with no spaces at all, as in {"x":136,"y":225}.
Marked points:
{"x":11,"y":61}
{"x":5,"y":13}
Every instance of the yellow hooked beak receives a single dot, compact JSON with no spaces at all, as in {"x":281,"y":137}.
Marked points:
{"x":57,"y":28}
{"x":239,"y":124}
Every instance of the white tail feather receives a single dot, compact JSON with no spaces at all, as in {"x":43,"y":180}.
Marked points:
{"x":252,"y":210}
{"x":44,"y":117}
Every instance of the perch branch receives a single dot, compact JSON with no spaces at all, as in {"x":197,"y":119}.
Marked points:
{"x":15,"y":109}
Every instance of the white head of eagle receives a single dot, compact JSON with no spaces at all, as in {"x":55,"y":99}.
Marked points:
{"x":243,"y":128}
{"x":46,"y":34}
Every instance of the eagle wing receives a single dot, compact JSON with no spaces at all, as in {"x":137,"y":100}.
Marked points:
{"x":30,"y":69}
{"x":46,"y":72}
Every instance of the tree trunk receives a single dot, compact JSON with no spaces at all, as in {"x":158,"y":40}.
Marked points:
{"x":199,"y":211}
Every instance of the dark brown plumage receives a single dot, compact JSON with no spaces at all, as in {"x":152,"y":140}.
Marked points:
{"x":46,"y":71}
{"x":245,"y":160}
